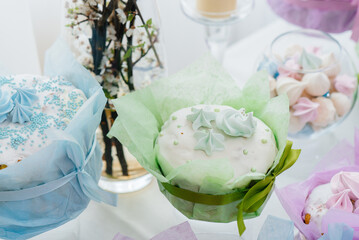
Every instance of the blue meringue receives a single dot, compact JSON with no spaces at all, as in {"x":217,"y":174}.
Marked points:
{"x":21,"y":113}
{"x":6,"y":104}
{"x":25,"y":96}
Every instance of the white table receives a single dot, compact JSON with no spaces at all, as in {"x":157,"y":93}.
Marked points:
{"x":143,"y":214}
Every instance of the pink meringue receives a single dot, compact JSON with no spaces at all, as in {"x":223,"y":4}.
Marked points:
{"x":306,"y":110}
{"x":341,"y":103}
{"x":326,"y":112}
{"x":345,"y":84}
{"x":341,"y":201}
{"x":290,"y":69}
{"x":346,"y":181}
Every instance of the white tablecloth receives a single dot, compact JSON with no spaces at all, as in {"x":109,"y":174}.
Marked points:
{"x":143,"y":214}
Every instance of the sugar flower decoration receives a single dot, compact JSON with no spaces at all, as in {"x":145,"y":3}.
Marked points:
{"x":341,"y":201}
{"x":6,"y":105}
{"x":20,"y":113}
{"x":346,"y":180}
{"x":201,"y":118}
{"x":209,"y":141}
{"x":25,"y":96}
{"x":236,"y":123}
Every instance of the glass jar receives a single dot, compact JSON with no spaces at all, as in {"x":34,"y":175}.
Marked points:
{"x":121,"y":44}
{"x":317,"y":75}
{"x":127,"y":174}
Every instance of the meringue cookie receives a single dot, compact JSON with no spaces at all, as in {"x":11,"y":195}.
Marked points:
{"x":291,"y":87}
{"x":331,"y":65}
{"x":293,"y":50}
{"x":25,"y":96}
{"x":290,"y":69}
{"x":309,"y":61}
{"x":317,"y":84}
{"x":326,"y":112}
{"x":20,"y":113}
{"x":345,"y":84}
{"x":340,"y":201}
{"x":346,"y":180}
{"x":341,"y":103}
{"x":306,"y":110}
{"x":295,"y":124}
{"x":272,"y":86}
{"x":236,"y":123}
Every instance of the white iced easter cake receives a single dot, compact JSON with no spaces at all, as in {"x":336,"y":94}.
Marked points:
{"x":206,"y":132}
{"x":30,"y":107}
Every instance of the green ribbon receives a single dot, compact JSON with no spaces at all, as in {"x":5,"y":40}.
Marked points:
{"x":252,"y":199}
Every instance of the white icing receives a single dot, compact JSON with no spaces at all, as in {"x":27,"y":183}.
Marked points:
{"x":316,"y":204}
{"x":259,"y":156}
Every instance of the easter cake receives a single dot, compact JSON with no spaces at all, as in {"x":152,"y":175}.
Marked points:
{"x":210,"y":132}
{"x":30,"y":108}
{"x":341,"y":193}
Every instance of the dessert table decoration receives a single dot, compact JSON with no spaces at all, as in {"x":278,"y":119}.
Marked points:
{"x":329,"y":195}
{"x":277,"y":228}
{"x":214,"y":194}
{"x":316,"y":73}
{"x":120,"y":43}
{"x":54,"y":184}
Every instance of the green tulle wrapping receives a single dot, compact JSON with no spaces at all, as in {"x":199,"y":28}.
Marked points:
{"x":142,"y":113}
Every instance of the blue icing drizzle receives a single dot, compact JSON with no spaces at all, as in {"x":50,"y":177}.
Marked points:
{"x":20,"y":113}
{"x":6,"y":105}
{"x":25,"y":96}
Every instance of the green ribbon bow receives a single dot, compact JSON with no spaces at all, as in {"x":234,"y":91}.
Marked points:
{"x":252,"y":199}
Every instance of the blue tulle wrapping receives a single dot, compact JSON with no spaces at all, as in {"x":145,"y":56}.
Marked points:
{"x":54,"y":185}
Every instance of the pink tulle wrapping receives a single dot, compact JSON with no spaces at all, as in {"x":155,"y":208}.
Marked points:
{"x":323,"y":18}
{"x":343,"y":157}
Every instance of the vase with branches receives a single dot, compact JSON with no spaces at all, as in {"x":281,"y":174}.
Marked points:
{"x":118,"y":44}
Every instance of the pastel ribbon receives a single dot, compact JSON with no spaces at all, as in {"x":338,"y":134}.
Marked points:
{"x":252,"y":199}
{"x":332,"y":6}
{"x":87,"y":183}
